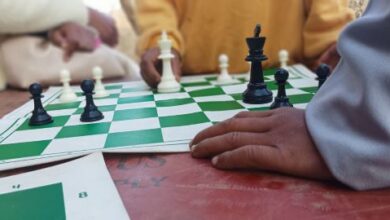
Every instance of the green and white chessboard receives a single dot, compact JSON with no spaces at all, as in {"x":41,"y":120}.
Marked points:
{"x":136,"y":119}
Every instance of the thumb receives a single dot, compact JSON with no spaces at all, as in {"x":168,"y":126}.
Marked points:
{"x":250,"y":156}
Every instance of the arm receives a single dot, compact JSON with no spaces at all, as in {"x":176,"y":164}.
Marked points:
{"x":349,"y":117}
{"x":325,"y":20}
{"x":18,"y":16}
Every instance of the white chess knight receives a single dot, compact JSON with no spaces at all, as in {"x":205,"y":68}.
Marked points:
{"x":224,"y":76}
{"x":168,"y":81}
{"x":283,"y":58}
{"x":67,"y":93}
{"x":100,"y":91}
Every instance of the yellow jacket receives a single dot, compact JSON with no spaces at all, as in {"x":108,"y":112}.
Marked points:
{"x":203,"y":29}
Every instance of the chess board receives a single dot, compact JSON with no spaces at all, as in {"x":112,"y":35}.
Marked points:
{"x":136,"y":118}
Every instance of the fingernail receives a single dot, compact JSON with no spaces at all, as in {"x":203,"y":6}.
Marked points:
{"x":193,"y":147}
{"x":214,"y":161}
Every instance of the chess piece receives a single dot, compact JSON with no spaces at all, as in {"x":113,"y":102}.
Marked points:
{"x":67,"y":93}
{"x":100,"y":91}
{"x":257,"y":92}
{"x":281,"y":100}
{"x":323,"y":72}
{"x":283,"y":58}
{"x":168,"y":81}
{"x":39,"y":114}
{"x":91,"y":112}
{"x":224,"y":76}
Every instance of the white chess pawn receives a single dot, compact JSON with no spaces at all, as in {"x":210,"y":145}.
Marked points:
{"x":67,"y":93}
{"x":100,"y":91}
{"x":224,"y":76}
{"x":168,"y":81}
{"x":283,"y":58}
{"x":248,"y":75}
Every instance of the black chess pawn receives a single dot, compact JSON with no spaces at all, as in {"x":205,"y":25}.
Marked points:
{"x":281,"y":100}
{"x":256,"y":92}
{"x":91,"y":112}
{"x":39,"y":114}
{"x":323,"y":72}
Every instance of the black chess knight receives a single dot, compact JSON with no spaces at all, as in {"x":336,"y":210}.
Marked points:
{"x":256,"y":92}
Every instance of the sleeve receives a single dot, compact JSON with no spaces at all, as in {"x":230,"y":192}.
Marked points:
{"x":325,"y":19}
{"x":154,"y":16}
{"x":21,"y":16}
{"x":348,"y":118}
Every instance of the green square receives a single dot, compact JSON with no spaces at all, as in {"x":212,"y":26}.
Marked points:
{"x":207,"y":92}
{"x":112,"y":87}
{"x":174,"y":102}
{"x":61,"y":106}
{"x":220,"y":106}
{"x":58,"y":121}
{"x":129,"y":114}
{"x":259,"y":109}
{"x":45,"y":202}
{"x":128,"y":100}
{"x":272,"y":85}
{"x":20,"y":150}
{"x":269,"y":72}
{"x":135,"y":89}
{"x":190,"y":84}
{"x":211,"y":78}
{"x":132,"y":138}
{"x":182,"y":120}
{"x":301,"y":98}
{"x":84,"y":130}
{"x":104,"y":108}
{"x":237,"y":96}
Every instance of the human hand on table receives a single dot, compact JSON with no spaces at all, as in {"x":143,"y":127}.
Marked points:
{"x":276,"y":140}
{"x":151,"y":66}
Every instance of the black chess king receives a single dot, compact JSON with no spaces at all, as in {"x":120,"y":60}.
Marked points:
{"x":257,"y":92}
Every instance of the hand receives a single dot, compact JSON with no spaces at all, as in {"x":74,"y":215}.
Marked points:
{"x":330,"y":57}
{"x":151,"y":66}
{"x":275,"y":140}
{"x":105,"y":25}
{"x":73,"y":37}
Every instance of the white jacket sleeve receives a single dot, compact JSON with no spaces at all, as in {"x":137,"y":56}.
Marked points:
{"x":26,"y":16}
{"x":348,"y":118}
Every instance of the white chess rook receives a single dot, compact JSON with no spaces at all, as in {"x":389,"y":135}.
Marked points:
{"x":168,"y":81}
{"x":100,"y":91}
{"x":67,"y":93}
{"x":283,"y":58}
{"x":224,"y":76}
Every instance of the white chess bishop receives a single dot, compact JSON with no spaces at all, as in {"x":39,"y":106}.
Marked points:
{"x":100,"y":91}
{"x":224,"y":76}
{"x":283,"y":58}
{"x":168,"y":81}
{"x":67,"y":93}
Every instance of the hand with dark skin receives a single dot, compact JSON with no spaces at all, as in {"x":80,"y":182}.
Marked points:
{"x":276,"y":140}
{"x":73,"y":37}
{"x":330,"y":57}
{"x":151,"y":66}
{"x":105,"y":26}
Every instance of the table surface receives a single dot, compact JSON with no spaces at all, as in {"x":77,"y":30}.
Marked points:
{"x":176,"y":186}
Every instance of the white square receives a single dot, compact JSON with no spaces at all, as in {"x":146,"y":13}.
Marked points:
{"x":135,"y":94}
{"x":101,"y":102}
{"x":214,"y":98}
{"x":233,"y":89}
{"x":134,"y":125}
{"x":137,"y":105}
{"x":63,"y":112}
{"x":196,"y":88}
{"x":32,"y":135}
{"x":183,"y":132}
{"x":75,"y":119}
{"x":135,"y":84}
{"x":233,"y":81}
{"x":178,"y":110}
{"x":250,"y":106}
{"x":168,"y":96}
{"x":303,"y":83}
{"x":76,"y":144}
{"x":218,"y":116}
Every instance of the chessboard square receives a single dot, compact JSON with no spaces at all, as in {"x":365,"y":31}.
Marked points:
{"x":251,"y":106}
{"x":218,"y":116}
{"x":112,"y":87}
{"x":136,"y":94}
{"x":237,"y":96}
{"x":207,"y":92}
{"x":101,"y":102}
{"x":272,"y":85}
{"x":61,"y":106}
{"x":23,"y":149}
{"x":75,"y":119}
{"x":76,"y":144}
{"x":303,"y":83}
{"x":135,"y":89}
{"x":127,"y":100}
{"x":196,"y":88}
{"x":134,"y":125}
{"x":32,"y":135}
{"x":211,"y":78}
{"x":214,"y":98}
{"x":58,"y":121}
{"x":84,"y":130}
{"x":170,"y":96}
{"x":104,"y":108}
{"x":182,"y":120}
{"x":302,"y":98}
{"x":310,"y":89}
{"x":178,"y":110}
{"x":44,"y":202}
{"x":269,"y":72}
{"x":220,"y":106}
{"x":131,"y":138}
{"x":233,"y":89}
{"x":174,"y":102}
{"x":129,"y":114}
{"x":191,"y":84}
{"x":111,"y":96}
{"x":301,"y":105}
{"x":183,"y":132}
{"x":135,"y":105}
{"x":64,"y":112}
{"x":265,"y":108}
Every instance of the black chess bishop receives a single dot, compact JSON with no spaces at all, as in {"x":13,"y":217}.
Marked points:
{"x":91,"y":112}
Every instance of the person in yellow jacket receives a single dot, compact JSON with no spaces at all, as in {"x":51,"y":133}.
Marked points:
{"x":202,"y":30}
